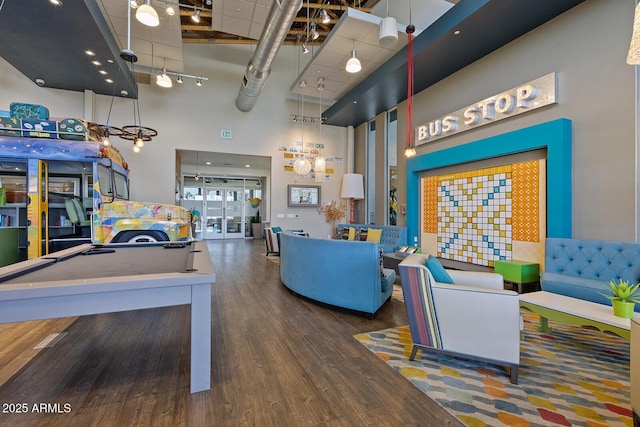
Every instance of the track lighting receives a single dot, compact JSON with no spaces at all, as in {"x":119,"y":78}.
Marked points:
{"x":314,"y":31}
{"x":179,"y":79}
{"x":163,"y":80}
{"x":199,"y":82}
{"x":305,"y":49}
{"x":170,"y":10}
{"x":196,"y":17}
{"x":147,"y":15}
{"x":133,"y":4}
{"x":353,"y":64}
{"x":325,"y":16}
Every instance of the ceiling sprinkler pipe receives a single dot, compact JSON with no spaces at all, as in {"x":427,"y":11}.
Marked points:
{"x":283,"y":12}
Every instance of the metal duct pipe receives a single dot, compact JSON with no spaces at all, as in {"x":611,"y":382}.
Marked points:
{"x":275,"y":30}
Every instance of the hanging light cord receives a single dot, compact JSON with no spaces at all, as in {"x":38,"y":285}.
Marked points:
{"x":409,"y":130}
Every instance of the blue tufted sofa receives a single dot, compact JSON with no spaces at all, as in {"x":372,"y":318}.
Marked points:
{"x":392,"y":236}
{"x":582,"y":268}
{"x":336,"y":272}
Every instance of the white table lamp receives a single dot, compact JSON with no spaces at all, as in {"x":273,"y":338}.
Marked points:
{"x":352,"y":188}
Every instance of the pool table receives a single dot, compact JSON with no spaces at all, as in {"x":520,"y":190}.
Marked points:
{"x":93,"y":279}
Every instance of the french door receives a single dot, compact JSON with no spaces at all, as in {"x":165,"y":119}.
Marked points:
{"x":224,"y":218}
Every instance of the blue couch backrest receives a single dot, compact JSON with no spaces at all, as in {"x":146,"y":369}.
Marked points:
{"x":599,"y":260}
{"x":392,"y":236}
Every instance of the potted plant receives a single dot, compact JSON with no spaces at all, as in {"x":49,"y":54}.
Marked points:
{"x":623,"y":299}
{"x":334,"y":212}
{"x":256,"y":224}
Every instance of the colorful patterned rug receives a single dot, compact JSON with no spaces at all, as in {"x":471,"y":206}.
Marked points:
{"x":575,"y":376}
{"x":397,"y":293}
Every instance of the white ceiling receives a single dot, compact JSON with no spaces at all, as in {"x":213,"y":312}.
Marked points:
{"x":244,"y":18}
{"x":360,"y":30}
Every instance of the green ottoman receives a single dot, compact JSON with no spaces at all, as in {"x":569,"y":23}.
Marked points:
{"x":518,"y":272}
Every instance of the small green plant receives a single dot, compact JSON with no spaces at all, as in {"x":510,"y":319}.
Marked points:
{"x":622,"y":291}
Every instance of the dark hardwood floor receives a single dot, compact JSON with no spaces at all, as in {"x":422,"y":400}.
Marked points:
{"x":277,"y":360}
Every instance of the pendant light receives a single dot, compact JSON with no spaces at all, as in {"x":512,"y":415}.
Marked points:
{"x":410,"y":149}
{"x":388,"y":34}
{"x":136,"y":132}
{"x":320,"y":164}
{"x":302,"y":165}
{"x":147,"y":15}
{"x":353,"y":64}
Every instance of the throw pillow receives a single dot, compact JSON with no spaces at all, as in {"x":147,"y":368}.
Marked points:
{"x":344,"y":235}
{"x":437,"y":270}
{"x":381,"y":262}
{"x":363,"y":234}
{"x":374,"y":235}
{"x":352,"y":233}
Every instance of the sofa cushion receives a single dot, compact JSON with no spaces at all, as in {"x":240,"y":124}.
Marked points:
{"x":352,"y":233}
{"x":576,"y":287}
{"x":344,"y":233}
{"x":362,"y":234}
{"x":374,"y":235}
{"x":437,"y":270}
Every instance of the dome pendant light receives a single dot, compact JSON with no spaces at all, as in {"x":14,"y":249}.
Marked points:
{"x":353,"y":64}
{"x":147,"y":15}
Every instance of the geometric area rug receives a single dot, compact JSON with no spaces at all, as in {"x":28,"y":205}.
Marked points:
{"x":573,"y":376}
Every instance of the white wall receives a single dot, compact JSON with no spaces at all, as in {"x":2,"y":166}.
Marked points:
{"x":189,"y":117}
{"x":587,"y":47}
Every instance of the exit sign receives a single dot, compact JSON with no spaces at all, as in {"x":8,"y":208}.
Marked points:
{"x":225,"y":134}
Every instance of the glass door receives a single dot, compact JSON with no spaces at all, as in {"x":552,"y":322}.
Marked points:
{"x":224,"y":209}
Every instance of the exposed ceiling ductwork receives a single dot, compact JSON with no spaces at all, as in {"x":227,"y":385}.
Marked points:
{"x":275,"y":30}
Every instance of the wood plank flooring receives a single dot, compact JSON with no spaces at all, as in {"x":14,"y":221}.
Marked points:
{"x":277,"y":360}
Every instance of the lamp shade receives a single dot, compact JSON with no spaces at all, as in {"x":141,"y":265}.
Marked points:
{"x":353,"y":64}
{"x":320,"y":169}
{"x":302,"y":166}
{"x":388,"y":35}
{"x":352,"y":186}
{"x":633,"y":56}
{"x":147,"y":15}
{"x":163,"y":80}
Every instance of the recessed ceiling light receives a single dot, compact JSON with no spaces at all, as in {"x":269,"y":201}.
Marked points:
{"x":103,"y":72}
{"x":247,"y":166}
{"x":355,"y":102}
{"x":208,"y":163}
{"x":56,"y":2}
{"x":108,"y":80}
{"x":90,"y":52}
{"x":456,"y":32}
{"x":110,"y":61}
{"x":96,"y":63}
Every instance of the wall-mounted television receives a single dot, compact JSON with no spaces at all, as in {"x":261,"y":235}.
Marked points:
{"x":303,"y":195}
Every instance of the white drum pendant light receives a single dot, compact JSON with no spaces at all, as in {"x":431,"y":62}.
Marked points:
{"x":388,"y":35}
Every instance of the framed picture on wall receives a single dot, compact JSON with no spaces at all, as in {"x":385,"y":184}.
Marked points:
{"x":303,"y":195}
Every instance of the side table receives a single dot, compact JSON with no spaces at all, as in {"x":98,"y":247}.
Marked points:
{"x":391,"y":260}
{"x":519,"y":273}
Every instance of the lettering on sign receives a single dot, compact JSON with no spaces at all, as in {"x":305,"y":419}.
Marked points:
{"x":524,"y":98}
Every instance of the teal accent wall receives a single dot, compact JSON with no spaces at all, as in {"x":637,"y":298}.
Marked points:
{"x":554,"y":136}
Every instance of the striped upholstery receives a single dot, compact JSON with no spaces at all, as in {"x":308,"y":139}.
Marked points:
{"x":474,"y":317}
{"x":271,"y":239}
{"x":421,"y":312}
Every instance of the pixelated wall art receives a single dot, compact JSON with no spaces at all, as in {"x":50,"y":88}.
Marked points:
{"x":481,"y":216}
